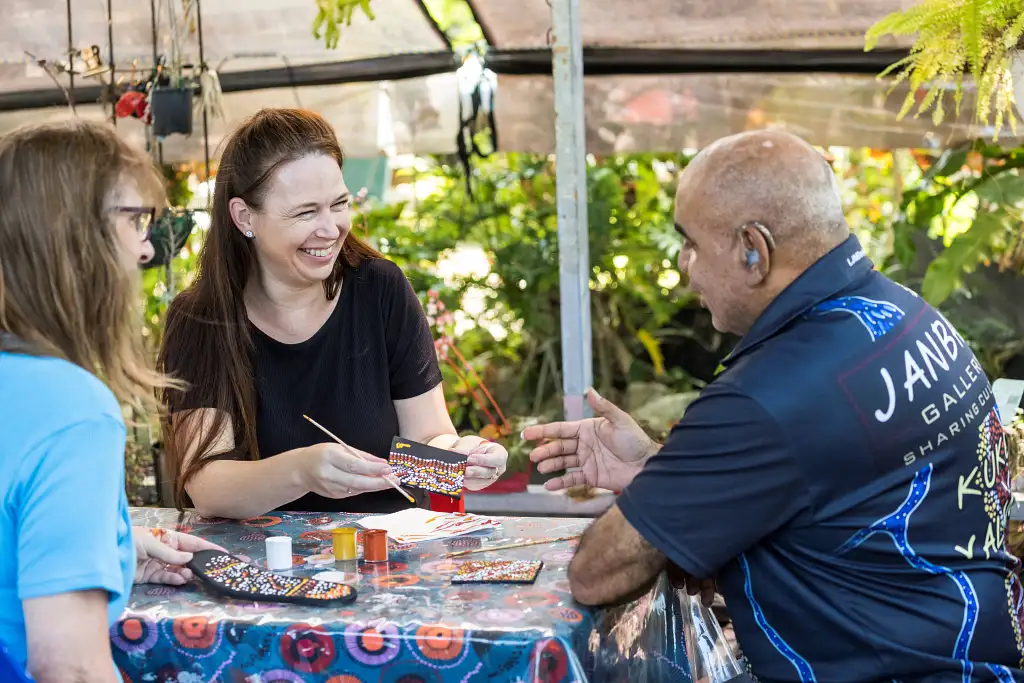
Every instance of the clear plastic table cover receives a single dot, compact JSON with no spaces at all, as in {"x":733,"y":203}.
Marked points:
{"x":409,"y":623}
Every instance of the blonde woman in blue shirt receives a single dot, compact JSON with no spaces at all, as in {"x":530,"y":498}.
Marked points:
{"x":75,"y":207}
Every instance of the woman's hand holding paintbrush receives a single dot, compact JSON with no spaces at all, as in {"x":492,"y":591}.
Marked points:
{"x":337,"y":470}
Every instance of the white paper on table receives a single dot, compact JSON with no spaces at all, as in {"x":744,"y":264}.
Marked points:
{"x":414,"y":525}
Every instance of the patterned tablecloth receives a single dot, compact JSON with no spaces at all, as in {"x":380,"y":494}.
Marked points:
{"x":408,"y":625}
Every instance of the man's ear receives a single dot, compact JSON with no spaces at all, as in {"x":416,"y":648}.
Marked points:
{"x":755,"y":255}
{"x":241,"y":216}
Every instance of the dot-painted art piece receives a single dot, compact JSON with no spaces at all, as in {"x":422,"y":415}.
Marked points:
{"x":428,"y":468}
{"x":498,"y":571}
{"x":230,"y":576}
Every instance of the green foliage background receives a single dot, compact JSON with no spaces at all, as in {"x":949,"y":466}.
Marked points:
{"x":946,"y":225}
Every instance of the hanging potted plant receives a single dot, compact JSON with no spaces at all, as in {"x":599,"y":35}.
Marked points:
{"x":957,"y":39}
{"x":171,"y":109}
{"x":171,"y":97}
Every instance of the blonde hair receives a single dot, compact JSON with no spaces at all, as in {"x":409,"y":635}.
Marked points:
{"x":64,"y":289}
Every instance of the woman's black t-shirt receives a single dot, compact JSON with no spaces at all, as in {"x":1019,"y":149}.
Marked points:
{"x":375,"y":348}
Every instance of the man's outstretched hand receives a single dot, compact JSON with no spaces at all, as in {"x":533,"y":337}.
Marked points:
{"x":609,"y":449}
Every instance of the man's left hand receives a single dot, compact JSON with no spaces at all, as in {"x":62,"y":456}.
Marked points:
{"x":161,"y":555}
{"x":706,"y":588}
{"x":486,"y":461}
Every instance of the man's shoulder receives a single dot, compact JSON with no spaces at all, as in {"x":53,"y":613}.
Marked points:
{"x":833,"y":334}
{"x":871,"y":310}
{"x":808,"y":366}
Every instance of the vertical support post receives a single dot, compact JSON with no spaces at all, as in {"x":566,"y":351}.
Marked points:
{"x":110,"y":59}
{"x":71,"y":57}
{"x":206,"y":125}
{"x":571,"y":192}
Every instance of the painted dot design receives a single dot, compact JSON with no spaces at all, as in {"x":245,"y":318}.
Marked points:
{"x":428,"y":474}
{"x":897,"y":526}
{"x":877,"y":317}
{"x":261,"y":522}
{"x":497,"y":571}
{"x":231,"y":574}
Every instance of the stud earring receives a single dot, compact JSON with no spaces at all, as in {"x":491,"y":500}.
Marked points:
{"x":248,"y":233}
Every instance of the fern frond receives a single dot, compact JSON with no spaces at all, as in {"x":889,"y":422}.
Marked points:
{"x":899,"y":64}
{"x":1014,"y":32}
{"x":972,"y":37}
{"x":955,"y":39}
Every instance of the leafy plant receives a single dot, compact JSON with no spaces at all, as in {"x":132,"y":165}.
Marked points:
{"x":945,"y":224}
{"x":956,"y":239}
{"x":956,"y":39}
{"x":514,"y":339}
{"x":332,"y":14}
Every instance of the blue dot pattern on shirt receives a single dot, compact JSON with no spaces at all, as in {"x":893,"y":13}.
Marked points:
{"x":815,"y":438}
{"x":1001,"y":673}
{"x":877,"y":317}
{"x":803,"y":668}
{"x":897,"y":527}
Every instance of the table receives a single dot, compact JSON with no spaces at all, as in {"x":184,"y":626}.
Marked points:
{"x":408,"y":625}
{"x":537,"y":501}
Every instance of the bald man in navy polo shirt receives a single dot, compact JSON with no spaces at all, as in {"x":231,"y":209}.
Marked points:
{"x":844,"y":478}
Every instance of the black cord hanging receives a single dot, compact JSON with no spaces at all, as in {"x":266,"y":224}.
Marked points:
{"x":470,"y":127}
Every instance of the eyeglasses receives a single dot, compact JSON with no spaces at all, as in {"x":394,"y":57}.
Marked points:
{"x":142,"y":218}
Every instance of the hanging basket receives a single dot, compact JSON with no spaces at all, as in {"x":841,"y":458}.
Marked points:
{"x":169,"y":236}
{"x":172,"y":111}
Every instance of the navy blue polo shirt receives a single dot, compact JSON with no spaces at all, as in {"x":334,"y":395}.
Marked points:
{"x":846,"y":478}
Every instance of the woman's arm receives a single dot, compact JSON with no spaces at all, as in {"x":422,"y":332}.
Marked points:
{"x":236,"y":488}
{"x":425,"y":419}
{"x":246,"y":488}
{"x":77,"y":624}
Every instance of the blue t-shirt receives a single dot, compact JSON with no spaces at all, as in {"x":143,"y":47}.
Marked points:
{"x":846,"y":478}
{"x":64,"y":523}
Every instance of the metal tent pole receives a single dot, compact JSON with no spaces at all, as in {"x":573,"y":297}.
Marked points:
{"x":571,"y":191}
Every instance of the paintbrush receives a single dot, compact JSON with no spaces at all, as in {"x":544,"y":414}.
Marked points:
{"x":523,"y":544}
{"x":389,"y":480}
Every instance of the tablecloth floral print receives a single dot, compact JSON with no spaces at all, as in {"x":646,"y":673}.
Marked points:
{"x":408,"y":625}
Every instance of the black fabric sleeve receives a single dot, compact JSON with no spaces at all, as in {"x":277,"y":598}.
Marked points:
{"x":725,"y":479}
{"x":412,"y":359}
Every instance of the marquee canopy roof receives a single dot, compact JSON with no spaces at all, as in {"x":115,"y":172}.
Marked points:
{"x":661,"y":74}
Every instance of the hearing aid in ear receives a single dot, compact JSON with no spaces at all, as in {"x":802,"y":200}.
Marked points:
{"x":752,"y":257}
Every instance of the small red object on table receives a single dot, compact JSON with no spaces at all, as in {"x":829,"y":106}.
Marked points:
{"x":440,"y":503}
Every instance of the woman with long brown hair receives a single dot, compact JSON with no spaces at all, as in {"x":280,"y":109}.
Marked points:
{"x":291,"y":314}
{"x":75,"y":207}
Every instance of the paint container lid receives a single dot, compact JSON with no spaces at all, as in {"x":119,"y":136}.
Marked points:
{"x":320,"y":559}
{"x":337,"y":577}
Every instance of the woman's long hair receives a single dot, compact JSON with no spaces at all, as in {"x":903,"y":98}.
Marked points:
{"x":64,"y":289}
{"x":207,"y":325}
